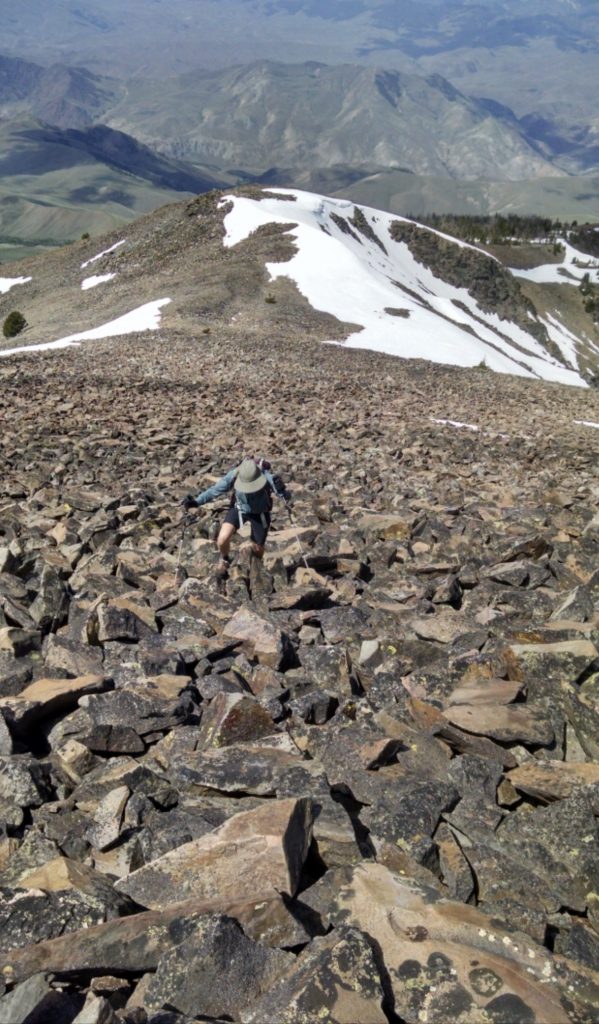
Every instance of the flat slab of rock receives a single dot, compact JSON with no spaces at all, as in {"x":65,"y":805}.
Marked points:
{"x":260,"y":638}
{"x":485,"y":691}
{"x":452,"y":962}
{"x":553,"y":780}
{"x":254,"y":854}
{"x":52,"y":696}
{"x":243,"y":768}
{"x":444,"y":627}
{"x":385,"y":527}
{"x":428,"y":717}
{"x":512,"y":723}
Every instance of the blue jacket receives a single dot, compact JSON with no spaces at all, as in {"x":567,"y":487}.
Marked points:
{"x":246,"y":503}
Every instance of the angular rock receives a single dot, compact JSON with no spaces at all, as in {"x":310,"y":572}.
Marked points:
{"x":443,"y":627}
{"x":15,"y":673}
{"x":30,"y":1001}
{"x":253,"y":769}
{"x":112,"y":739}
{"x":431,"y":718}
{"x":215,"y":972}
{"x":49,"y":609}
{"x":109,"y":818}
{"x":335,"y":979}
{"x":341,"y":624}
{"x":543,"y":667}
{"x":6,"y":743}
{"x":455,"y":869}
{"x":131,"y":945}
{"x":386,"y":527}
{"x":253,"y":854}
{"x":53,"y":696}
{"x":328,"y":668}
{"x":96,"y":1010}
{"x":261,"y":640}
{"x":233,"y":718}
{"x":142,"y":707}
{"x":19,"y":642}
{"x":24,"y":781}
{"x":32,"y":917}
{"x":63,"y":656}
{"x":124,"y":771}
{"x":407,"y":813}
{"x":34,"y":851}
{"x":120,"y":619}
{"x":582,"y":712}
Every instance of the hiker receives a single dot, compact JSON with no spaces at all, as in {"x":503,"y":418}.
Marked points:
{"x":252,"y":486}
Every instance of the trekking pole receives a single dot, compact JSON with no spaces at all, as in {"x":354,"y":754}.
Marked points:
{"x":299,"y":543}
{"x":186,"y":522}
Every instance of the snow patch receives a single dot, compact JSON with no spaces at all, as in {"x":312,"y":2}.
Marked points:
{"x":103,"y":253}
{"x":93,"y":282}
{"x":6,"y":283}
{"x":571,"y":270}
{"x":344,"y":272}
{"x":455,"y":423}
{"x":144,"y":318}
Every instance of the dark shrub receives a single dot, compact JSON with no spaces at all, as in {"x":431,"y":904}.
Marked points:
{"x":15,"y":322}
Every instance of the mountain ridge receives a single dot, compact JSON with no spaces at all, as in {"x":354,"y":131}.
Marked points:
{"x":362,"y":277}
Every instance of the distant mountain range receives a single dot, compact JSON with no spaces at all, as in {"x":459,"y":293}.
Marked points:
{"x":539,"y":58}
{"x":470,"y":106}
{"x":266,"y":115}
{"x":83,"y":152}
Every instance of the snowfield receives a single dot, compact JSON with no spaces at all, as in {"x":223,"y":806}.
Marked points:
{"x":350,"y":277}
{"x":144,"y":318}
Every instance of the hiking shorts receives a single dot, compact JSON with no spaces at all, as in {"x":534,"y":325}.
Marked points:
{"x":260,"y":524}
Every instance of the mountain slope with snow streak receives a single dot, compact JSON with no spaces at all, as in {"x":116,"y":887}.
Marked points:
{"x":571,"y":270}
{"x":348,"y":265}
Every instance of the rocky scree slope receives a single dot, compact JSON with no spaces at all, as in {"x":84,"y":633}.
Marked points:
{"x":357,"y":785}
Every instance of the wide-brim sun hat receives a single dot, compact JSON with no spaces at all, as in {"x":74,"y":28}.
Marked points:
{"x":249,"y":478}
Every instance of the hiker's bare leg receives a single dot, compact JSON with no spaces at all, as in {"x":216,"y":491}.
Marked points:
{"x":258,"y":549}
{"x":223,"y":541}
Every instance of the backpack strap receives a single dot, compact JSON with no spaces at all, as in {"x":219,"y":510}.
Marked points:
{"x":273,"y":484}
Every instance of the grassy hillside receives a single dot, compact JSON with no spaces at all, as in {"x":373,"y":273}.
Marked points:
{"x":55,"y":185}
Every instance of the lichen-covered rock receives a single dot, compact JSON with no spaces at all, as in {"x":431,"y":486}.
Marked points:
{"x":336,"y":979}
{"x":216,"y":948}
{"x":454,"y":962}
